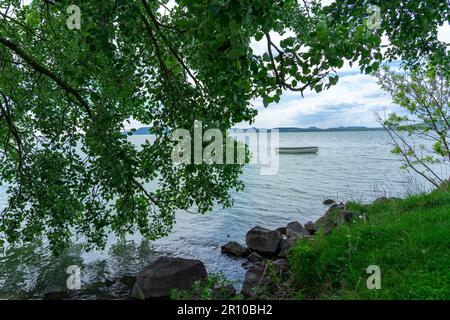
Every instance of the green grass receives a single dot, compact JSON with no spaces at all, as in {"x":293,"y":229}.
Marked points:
{"x":408,"y":239}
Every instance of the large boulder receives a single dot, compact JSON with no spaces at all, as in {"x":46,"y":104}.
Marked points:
{"x":295,"y":230}
{"x":263,"y":241}
{"x":165,"y":274}
{"x":254,"y":278}
{"x":235,"y":249}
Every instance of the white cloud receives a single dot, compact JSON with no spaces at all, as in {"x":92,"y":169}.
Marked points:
{"x":260,"y":47}
{"x":353,"y":101}
{"x":444,"y":33}
{"x":327,"y":2}
{"x":168,"y":6}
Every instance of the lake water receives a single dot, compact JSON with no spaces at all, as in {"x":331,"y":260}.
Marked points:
{"x":349,"y":166}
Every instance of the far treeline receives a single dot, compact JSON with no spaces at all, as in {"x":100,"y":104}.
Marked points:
{"x":148,"y":130}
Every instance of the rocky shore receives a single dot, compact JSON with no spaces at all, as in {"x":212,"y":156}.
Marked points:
{"x":266,"y":251}
{"x":264,"y":255}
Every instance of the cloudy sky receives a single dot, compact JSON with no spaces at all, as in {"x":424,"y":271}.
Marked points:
{"x":352,"y":102}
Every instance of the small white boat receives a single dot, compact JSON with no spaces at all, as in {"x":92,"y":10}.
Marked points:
{"x":297,"y":150}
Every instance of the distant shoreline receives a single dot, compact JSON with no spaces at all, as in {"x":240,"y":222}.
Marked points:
{"x":315,"y":129}
{"x":146,"y":130}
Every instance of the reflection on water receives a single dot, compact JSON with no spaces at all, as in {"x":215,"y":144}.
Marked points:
{"x":31,"y":267}
{"x":30,"y":271}
{"x":349,"y":166}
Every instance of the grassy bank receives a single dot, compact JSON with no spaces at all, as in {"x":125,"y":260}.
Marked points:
{"x":409,"y":239}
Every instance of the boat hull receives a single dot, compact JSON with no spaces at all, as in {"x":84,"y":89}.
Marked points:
{"x":302,"y":150}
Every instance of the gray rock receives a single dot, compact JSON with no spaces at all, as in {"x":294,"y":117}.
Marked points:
{"x":255,"y":257}
{"x":309,"y":226}
{"x":334,"y":208}
{"x":118,"y":289}
{"x":344,"y":216}
{"x":325,"y":223}
{"x":281,"y":264}
{"x":165,"y":274}
{"x":263,"y":241}
{"x":235,"y":249}
{"x":295,"y":230}
{"x":285,"y":245}
{"x":282,"y":230}
{"x":254,"y":278}
{"x":334,"y":217}
{"x":328,"y":202}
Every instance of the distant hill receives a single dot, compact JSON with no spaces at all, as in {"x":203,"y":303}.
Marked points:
{"x":143,"y":130}
{"x":146,"y":130}
{"x":315,"y":129}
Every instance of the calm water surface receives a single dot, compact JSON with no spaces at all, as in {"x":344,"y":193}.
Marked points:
{"x":349,"y":166}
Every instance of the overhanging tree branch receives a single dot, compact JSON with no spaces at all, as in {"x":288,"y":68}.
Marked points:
{"x":42,"y":69}
{"x":171,"y":49}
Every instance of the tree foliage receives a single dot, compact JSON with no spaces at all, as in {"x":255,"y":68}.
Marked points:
{"x":422,"y":135}
{"x":65,"y":96}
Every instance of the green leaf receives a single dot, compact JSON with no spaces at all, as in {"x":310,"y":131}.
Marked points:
{"x":318,"y":87}
{"x":259,"y":36}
